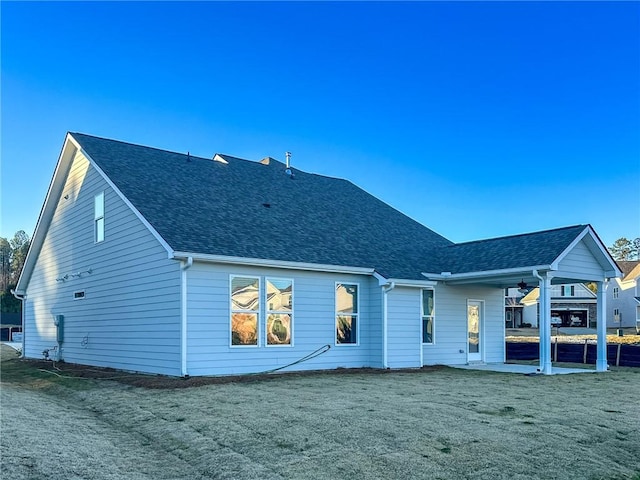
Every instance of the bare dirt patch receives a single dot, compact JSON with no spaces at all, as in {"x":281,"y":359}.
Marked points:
{"x":437,"y":423}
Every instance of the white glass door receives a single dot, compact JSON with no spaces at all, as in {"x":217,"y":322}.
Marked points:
{"x":474,"y":331}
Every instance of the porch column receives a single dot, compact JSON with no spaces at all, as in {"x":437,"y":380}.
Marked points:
{"x":544,"y":329}
{"x":601,"y":299}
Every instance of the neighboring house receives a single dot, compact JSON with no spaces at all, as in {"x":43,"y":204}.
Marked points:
{"x":10,"y":323}
{"x":572,"y":305}
{"x":513,"y":308}
{"x":623,"y":297}
{"x":153,"y":261}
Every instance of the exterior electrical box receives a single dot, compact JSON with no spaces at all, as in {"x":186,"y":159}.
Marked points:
{"x":58,"y":321}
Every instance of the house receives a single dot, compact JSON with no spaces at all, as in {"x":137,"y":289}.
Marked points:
{"x":623,"y":297}
{"x":10,"y":324}
{"x":155,"y":261}
{"x":513,"y":308}
{"x":572,"y":305}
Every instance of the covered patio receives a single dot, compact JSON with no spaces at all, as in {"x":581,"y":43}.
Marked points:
{"x":570,"y":255}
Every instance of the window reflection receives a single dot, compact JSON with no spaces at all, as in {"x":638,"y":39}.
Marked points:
{"x":244,"y":294}
{"x":346,"y":313}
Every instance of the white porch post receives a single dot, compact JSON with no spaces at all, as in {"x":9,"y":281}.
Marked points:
{"x":545,"y":324}
{"x":601,"y":359}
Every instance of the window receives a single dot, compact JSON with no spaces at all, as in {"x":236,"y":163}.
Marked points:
{"x":279,"y":303}
{"x":427,"y":316}
{"x":616,"y":292}
{"x":245,"y":310}
{"x":79,"y":295}
{"x":346,"y":314}
{"x":98,"y":217}
{"x":616,"y":315}
{"x":567,"y":290}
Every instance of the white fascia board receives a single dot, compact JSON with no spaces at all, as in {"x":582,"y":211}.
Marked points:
{"x":487,"y":274}
{"x":67,"y":154}
{"x":613,"y":272}
{"x":261,"y":262}
{"x":399,"y":282}
{"x":135,"y":211}
{"x":403,"y":282}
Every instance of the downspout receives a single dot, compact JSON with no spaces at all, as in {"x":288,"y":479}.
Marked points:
{"x":184,"y":266}
{"x":385,"y":290}
{"x":22,"y":297}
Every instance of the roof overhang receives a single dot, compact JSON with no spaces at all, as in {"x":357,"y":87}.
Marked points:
{"x":261,"y":262}
{"x":402,"y":282}
{"x":502,"y":278}
{"x":68,"y":152}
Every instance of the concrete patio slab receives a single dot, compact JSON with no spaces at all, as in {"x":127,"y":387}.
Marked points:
{"x":522,"y":369}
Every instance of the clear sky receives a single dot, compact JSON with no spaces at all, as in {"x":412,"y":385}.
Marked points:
{"x":476,"y":119}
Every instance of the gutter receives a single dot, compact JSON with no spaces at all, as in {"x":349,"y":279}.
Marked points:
{"x":448,"y":276}
{"x":20,"y":295}
{"x":262,"y":262}
{"x":185,"y":265}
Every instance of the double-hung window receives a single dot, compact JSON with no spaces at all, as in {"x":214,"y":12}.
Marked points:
{"x":346,"y":314}
{"x":245,"y":310}
{"x":616,"y":292}
{"x":98,"y":217}
{"x":427,"y":316}
{"x":279,"y":305}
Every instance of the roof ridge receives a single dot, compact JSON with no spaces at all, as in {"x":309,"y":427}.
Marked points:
{"x":520,"y":235}
{"x":143,"y":146}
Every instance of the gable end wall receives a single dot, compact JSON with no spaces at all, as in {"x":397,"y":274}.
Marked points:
{"x":130,"y":316}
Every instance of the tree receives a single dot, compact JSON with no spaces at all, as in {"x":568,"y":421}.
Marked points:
{"x":12,"y":256}
{"x":625,"y":249}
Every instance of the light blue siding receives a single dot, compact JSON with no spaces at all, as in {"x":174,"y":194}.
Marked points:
{"x":130,"y":316}
{"x":404,"y":330}
{"x":450,"y":347}
{"x":208,"y":333}
{"x":581,"y":263}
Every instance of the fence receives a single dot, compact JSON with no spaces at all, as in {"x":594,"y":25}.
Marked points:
{"x":617,"y":354}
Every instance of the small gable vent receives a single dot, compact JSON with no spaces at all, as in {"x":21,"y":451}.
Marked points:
{"x":267,"y":160}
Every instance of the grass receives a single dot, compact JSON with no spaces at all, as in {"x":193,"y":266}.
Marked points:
{"x":432,"y":423}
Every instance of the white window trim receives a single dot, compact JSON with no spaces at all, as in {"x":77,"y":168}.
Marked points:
{"x":97,"y":218}
{"x":267,"y":311}
{"x":83,"y":292}
{"x":433,"y":318}
{"x":256,"y":312}
{"x":335,"y":315}
{"x":616,"y":292}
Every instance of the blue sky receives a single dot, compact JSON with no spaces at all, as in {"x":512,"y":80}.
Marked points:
{"x":477,"y":119}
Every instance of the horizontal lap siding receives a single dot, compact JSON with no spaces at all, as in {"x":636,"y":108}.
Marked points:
{"x":450,"y":347}
{"x":130,"y":316}
{"x":208,"y":331}
{"x":403,"y":327}
{"x":580,"y":261}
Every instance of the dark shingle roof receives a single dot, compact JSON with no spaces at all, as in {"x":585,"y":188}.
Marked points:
{"x":254,"y":210}
{"x":531,"y":249}
{"x":201,"y":206}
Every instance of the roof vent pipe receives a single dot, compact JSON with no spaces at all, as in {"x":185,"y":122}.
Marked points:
{"x":288,"y":155}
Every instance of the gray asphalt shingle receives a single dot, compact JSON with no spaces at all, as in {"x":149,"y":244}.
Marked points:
{"x":249,"y":209}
